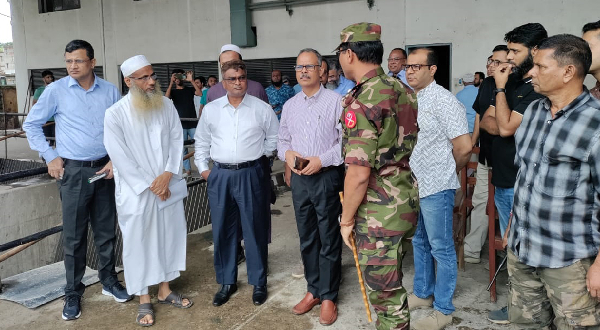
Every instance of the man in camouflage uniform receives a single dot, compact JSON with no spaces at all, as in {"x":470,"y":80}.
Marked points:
{"x":381,"y":199}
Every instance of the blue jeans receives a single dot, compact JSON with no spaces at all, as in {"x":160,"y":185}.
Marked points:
{"x":503,"y":199}
{"x":433,"y":241}
{"x":188,"y":134}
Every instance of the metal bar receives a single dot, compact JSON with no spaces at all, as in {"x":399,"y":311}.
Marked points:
{"x":13,"y":114}
{"x":23,"y":174}
{"x":31,"y":238}
{"x":16,"y":250}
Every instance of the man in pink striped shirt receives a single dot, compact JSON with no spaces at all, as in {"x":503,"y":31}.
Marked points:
{"x":310,"y":143}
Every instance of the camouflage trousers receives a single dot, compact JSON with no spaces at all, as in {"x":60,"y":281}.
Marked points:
{"x":382,"y":271}
{"x":541,"y":298}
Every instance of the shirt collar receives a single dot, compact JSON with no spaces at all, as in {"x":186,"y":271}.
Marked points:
{"x":315,"y":96}
{"x":575,"y":104}
{"x":72,"y":82}
{"x":372,"y":74}
{"x":245,"y":101}
{"x":429,"y":87}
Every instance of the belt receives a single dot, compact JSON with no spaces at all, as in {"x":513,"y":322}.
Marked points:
{"x":237,"y":166}
{"x":87,"y":163}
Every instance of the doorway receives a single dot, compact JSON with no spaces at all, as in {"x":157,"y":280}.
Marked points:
{"x":443,"y":75}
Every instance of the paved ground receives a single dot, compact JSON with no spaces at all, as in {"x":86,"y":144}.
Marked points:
{"x":198,"y":282}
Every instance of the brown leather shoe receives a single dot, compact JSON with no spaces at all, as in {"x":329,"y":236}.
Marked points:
{"x":306,"y":304}
{"x":328,"y":312}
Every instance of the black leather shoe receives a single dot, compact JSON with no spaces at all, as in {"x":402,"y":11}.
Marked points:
{"x":259,"y":295}
{"x":224,"y":294}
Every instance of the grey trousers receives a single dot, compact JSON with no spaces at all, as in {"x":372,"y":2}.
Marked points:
{"x":479,"y":220}
{"x":84,"y":203}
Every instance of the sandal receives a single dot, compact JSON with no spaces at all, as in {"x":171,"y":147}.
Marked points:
{"x":143,"y":311}
{"x":176,"y":300}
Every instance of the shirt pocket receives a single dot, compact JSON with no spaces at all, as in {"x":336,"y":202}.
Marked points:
{"x":559,"y":175}
{"x":156,"y":132}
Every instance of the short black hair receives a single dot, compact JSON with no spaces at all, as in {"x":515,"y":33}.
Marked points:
{"x":47,"y":73}
{"x":432,"y":58}
{"x":202,"y":79}
{"x":178,"y":71}
{"x":500,"y":48}
{"x":530,"y":35}
{"x":80,"y":44}
{"x":333,"y":64}
{"x":235,"y":65}
{"x":480,"y":74}
{"x":326,"y":64}
{"x":570,"y":50}
{"x":401,"y":50}
{"x":366,"y":51}
{"x":593,"y":26}
{"x":213,"y":76}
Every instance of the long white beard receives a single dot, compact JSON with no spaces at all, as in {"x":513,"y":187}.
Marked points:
{"x":145,"y":102}
{"x":331,"y":85}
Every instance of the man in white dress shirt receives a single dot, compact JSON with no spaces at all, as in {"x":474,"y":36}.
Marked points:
{"x":144,"y":140}
{"x":235,"y":131}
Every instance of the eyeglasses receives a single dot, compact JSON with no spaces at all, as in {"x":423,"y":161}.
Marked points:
{"x":396,"y":59}
{"x":146,"y":78}
{"x":232,"y":80}
{"x":494,"y":62}
{"x":78,"y":62}
{"x":416,"y":67}
{"x":309,"y":67}
{"x":340,"y":51}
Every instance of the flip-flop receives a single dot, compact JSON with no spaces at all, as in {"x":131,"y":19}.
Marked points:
{"x":143,"y":310}
{"x":176,"y":300}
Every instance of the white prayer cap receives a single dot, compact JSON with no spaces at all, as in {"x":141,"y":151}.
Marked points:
{"x":229,"y":47}
{"x":133,"y":64}
{"x":468,"y":78}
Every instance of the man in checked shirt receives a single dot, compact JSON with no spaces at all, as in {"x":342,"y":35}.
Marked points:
{"x":310,"y":128}
{"x":554,"y":238}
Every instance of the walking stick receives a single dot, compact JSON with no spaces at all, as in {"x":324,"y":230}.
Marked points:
{"x":360,"y":277}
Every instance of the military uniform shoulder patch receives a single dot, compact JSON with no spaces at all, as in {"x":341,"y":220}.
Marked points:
{"x":350,"y":119}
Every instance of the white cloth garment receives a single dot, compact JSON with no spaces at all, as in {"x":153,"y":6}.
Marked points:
{"x":142,"y":146}
{"x":231,"y":136}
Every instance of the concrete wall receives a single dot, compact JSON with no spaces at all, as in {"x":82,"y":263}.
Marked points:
{"x":28,"y":209}
{"x":194,"y":30}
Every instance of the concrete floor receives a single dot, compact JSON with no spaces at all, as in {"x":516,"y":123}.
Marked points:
{"x":198,"y":282}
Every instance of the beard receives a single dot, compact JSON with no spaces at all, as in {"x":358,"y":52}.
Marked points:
{"x":146,"y":102}
{"x":332,"y":85}
{"x":477,"y":83}
{"x":277,"y":83}
{"x":522,"y":69}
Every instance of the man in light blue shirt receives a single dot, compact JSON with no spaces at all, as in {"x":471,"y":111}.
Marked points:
{"x":336,"y":80}
{"x":396,"y":62}
{"x":467,"y":97}
{"x":78,"y":103}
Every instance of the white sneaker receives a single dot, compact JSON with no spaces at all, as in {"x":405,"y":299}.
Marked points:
{"x":433,"y":321}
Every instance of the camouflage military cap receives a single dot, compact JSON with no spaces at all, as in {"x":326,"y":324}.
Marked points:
{"x":361,"y":32}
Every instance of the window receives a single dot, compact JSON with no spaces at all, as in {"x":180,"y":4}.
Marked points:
{"x":47,"y":6}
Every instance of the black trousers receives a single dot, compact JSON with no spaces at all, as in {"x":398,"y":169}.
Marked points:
{"x":239,"y":196}
{"x":317,"y":207}
{"x":84,"y":203}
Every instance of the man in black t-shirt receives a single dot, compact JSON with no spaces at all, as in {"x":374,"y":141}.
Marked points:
{"x":183,"y":99}
{"x":479,"y":220}
{"x":514,"y":93}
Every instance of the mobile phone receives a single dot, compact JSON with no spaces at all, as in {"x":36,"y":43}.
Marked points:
{"x":96,"y":177}
{"x":300,"y":163}
{"x":180,"y":76}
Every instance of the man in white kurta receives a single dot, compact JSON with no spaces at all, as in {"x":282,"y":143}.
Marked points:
{"x":144,"y":140}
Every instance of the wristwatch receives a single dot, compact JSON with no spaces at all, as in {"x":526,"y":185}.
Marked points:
{"x":499,"y":90}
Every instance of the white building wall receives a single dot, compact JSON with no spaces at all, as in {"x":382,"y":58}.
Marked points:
{"x":194,"y":30}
